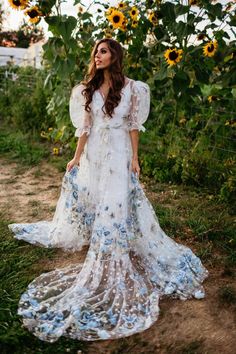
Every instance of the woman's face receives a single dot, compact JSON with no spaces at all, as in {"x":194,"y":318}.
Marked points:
{"x":102,"y":56}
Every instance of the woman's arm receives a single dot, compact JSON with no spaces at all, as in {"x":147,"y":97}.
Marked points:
{"x":134,"y":137}
{"x":78,"y":152}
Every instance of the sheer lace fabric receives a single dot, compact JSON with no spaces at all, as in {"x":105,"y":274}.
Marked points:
{"x":131,"y":263}
{"x":80,"y":118}
{"x":140,"y":106}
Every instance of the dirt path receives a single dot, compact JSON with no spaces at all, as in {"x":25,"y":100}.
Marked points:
{"x":184,"y":327}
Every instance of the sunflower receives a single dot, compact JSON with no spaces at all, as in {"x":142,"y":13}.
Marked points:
{"x":80,"y":9}
{"x":134,"y":13}
{"x":109,"y":11}
{"x":152,"y":18}
{"x":124,"y":25}
{"x":18,"y":4}
{"x":228,"y":7}
{"x":210,"y":48}
{"x":55,"y":151}
{"x":134,"y":23}
{"x":34,"y":13}
{"x":173,"y":56}
{"x":121,"y":5}
{"x":193,"y":2}
{"x":201,"y":36}
{"x":117,"y":19}
{"x":212,"y":98}
{"x":231,"y":122}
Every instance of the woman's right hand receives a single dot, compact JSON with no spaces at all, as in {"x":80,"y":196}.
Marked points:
{"x":71,"y":164}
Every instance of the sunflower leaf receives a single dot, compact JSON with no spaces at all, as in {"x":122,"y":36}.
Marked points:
{"x":181,"y":9}
{"x":181,"y":81}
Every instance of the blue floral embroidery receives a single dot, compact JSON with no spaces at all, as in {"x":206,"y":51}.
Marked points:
{"x":112,"y":318}
{"x":129,"y":320}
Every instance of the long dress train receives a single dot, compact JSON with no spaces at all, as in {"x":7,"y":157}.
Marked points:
{"x":131,"y":263}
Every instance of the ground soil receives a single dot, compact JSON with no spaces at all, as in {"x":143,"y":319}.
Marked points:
{"x":192,"y":326}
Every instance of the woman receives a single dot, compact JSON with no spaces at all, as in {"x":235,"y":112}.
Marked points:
{"x":131,"y":263}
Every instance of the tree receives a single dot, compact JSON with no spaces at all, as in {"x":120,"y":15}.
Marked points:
{"x":22,"y":38}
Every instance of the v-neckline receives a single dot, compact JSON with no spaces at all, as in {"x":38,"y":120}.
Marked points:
{"x":101,"y":93}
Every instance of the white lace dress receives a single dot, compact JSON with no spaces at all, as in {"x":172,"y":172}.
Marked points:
{"x":131,"y":263}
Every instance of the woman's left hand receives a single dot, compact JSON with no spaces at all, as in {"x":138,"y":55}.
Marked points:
{"x":135,"y":166}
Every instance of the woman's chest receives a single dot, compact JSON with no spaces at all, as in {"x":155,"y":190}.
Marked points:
{"x":122,"y":109}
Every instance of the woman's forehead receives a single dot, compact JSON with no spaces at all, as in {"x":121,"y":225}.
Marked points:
{"x":102,"y":45}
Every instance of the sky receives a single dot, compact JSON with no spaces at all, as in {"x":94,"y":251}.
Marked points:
{"x":15,"y":18}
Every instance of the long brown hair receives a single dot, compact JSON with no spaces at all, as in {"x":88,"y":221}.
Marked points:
{"x":95,"y":77}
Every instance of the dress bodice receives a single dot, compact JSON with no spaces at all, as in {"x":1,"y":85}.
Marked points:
{"x":131,"y":112}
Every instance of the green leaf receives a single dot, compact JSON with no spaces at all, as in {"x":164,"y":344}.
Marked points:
{"x":181,"y":9}
{"x":229,"y":79}
{"x":168,"y":11}
{"x":232,"y":21}
{"x":217,"y":10}
{"x":181,"y":81}
{"x":66,"y":26}
{"x":201,"y":75}
{"x":61,"y":25}
{"x":46,"y":5}
{"x":72,"y":43}
{"x":191,"y":18}
{"x":52,"y":24}
{"x":86,"y":16}
{"x":161,"y":75}
{"x":159,"y":33}
{"x":180,"y":28}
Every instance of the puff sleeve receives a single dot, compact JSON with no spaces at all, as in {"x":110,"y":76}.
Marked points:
{"x":81,"y":119}
{"x":140,"y":105}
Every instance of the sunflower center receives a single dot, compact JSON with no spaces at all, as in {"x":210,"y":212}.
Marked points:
{"x":116,"y":19}
{"x":17,"y":2}
{"x":133,"y":12}
{"x":211,"y":48}
{"x":33,"y":14}
{"x":173,"y":55}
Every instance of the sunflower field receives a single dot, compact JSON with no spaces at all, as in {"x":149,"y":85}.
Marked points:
{"x":185,"y":50}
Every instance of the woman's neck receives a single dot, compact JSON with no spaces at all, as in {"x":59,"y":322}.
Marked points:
{"x":107,"y":78}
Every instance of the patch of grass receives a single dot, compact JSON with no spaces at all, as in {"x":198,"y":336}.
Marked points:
{"x":18,"y":267}
{"x":39,"y":173}
{"x":227,"y":295}
{"x":205,"y":252}
{"x":26,"y":149}
{"x":169,"y":220}
{"x":198,"y":218}
{"x":60,"y":162}
{"x":211,"y":225}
